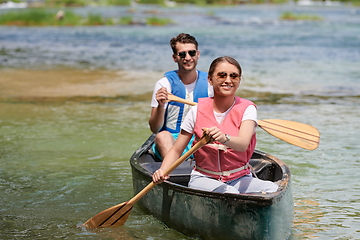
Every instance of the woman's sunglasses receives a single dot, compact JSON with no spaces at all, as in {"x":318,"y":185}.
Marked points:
{"x":221,"y":76}
{"x":192,"y":53}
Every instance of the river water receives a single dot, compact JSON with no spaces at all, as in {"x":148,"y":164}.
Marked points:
{"x":74,"y":105}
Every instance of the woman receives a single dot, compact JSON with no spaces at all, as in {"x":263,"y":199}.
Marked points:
{"x":230,"y":121}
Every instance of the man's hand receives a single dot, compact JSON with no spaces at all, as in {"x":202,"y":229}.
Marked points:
{"x":162,"y":96}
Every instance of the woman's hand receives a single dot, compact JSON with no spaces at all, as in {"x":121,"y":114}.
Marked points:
{"x":158,"y":176}
{"x":215,"y":134}
{"x":238,"y":142}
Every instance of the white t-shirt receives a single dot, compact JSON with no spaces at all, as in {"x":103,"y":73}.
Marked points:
{"x":189,"y":122}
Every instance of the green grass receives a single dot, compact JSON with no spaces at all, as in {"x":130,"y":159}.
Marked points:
{"x":42,"y":17}
{"x":300,"y":16}
{"x":38,"y":17}
{"x":119,"y":2}
{"x":67,"y":3}
{"x":72,"y":3}
{"x":126,"y":20}
{"x":95,"y":19}
{"x":158,"y":21}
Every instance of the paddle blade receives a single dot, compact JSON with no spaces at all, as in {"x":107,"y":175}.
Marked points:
{"x":111,"y":217}
{"x":298,"y":134}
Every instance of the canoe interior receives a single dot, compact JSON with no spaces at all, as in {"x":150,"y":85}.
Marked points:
{"x":264,"y":167}
{"x":213,"y":216}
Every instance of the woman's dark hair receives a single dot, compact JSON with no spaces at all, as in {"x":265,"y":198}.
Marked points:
{"x":219,"y":60}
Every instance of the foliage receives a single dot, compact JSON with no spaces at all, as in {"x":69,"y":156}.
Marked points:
{"x":37,"y":17}
{"x":200,"y":2}
{"x":71,"y":3}
{"x":355,"y":2}
{"x":160,"y":2}
{"x":41,"y":17}
{"x":126,"y":20}
{"x":119,"y":2}
{"x":300,"y":16}
{"x":95,"y":19}
{"x":158,"y":21}
{"x":67,"y":3}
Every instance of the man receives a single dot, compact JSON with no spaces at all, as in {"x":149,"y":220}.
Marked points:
{"x":187,"y":83}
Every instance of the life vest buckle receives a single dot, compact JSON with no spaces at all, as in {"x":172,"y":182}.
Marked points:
{"x":226,"y":173}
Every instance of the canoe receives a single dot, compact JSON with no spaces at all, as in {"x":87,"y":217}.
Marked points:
{"x":210,"y":215}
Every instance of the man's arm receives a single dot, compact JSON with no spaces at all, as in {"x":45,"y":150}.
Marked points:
{"x":156,"y":120}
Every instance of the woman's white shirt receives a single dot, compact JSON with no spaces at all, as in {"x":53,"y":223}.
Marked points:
{"x":189,"y":122}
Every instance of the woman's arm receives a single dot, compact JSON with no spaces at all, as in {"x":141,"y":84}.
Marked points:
{"x":173,"y":155}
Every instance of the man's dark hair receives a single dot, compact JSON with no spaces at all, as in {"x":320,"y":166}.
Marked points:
{"x":182,"y":38}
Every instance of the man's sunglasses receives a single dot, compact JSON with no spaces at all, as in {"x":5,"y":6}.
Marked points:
{"x":221,"y":76}
{"x":192,"y":53}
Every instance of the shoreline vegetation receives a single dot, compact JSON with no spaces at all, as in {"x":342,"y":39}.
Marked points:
{"x":45,"y":13}
{"x":299,"y":16}
{"x":48,"y":17}
{"x":171,"y":3}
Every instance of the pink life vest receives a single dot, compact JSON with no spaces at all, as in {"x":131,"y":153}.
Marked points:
{"x":216,"y":160}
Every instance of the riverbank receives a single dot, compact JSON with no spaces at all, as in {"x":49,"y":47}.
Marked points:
{"x":58,"y":83}
{"x":62,"y":85}
{"x":51,"y":17}
{"x":173,"y":3}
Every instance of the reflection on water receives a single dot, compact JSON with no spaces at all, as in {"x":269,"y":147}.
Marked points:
{"x":74,"y":106}
{"x":307,"y":217}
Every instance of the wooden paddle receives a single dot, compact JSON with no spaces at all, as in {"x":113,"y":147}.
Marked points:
{"x":117,"y":215}
{"x":295,"y":133}
{"x":172,"y":97}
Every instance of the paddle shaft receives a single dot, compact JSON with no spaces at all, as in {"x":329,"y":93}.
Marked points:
{"x":117,"y":215}
{"x":298,"y":134}
{"x":203,"y":141}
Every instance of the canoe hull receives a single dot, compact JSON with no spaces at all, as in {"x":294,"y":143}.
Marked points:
{"x":212,"y":215}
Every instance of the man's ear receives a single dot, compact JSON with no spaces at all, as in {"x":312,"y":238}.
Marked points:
{"x":174,"y":57}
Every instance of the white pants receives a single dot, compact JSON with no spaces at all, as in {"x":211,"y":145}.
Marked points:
{"x":245,"y":184}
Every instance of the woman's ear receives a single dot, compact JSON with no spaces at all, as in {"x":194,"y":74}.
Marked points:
{"x":209,"y":80}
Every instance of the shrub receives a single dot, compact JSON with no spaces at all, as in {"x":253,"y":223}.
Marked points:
{"x":158,"y":21}
{"x":293,"y":16}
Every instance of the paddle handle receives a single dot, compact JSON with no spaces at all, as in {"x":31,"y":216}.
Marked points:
{"x":203,"y":141}
{"x":172,"y":97}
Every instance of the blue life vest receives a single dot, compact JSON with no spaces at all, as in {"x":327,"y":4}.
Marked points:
{"x":174,"y":113}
